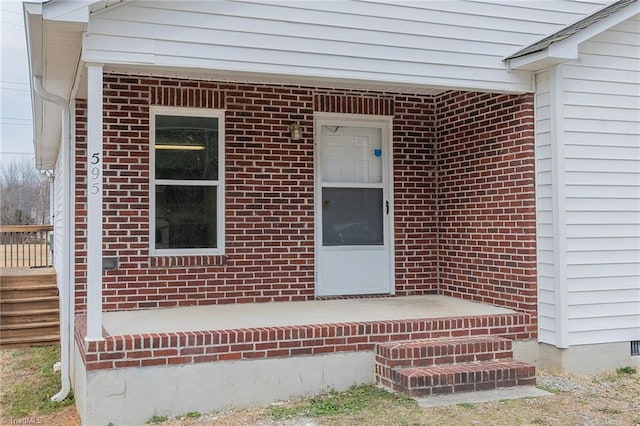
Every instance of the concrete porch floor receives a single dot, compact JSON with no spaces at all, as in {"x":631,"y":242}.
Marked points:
{"x":223,"y":317}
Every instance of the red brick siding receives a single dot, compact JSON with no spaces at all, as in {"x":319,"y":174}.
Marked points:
{"x":358,"y":104}
{"x":472,"y":214}
{"x":80,"y":207}
{"x":486,"y":203}
{"x":269,"y":193}
{"x":414,"y":131}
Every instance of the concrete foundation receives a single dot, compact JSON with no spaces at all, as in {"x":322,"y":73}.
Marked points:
{"x":130,"y":396}
{"x":525,"y":351}
{"x":79,"y":382}
{"x":587,"y":359}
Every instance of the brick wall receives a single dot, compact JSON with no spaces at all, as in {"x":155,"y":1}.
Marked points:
{"x":80,"y":206}
{"x":486,"y":204}
{"x":463,"y":188}
{"x":415,"y":228}
{"x":269,"y":193}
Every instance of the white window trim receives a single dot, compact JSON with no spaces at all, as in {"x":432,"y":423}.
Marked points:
{"x":220,"y":193}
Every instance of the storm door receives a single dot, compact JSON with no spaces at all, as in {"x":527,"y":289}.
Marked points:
{"x":353,"y":208}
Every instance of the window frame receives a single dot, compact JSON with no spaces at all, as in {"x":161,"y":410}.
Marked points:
{"x":219,"y":184}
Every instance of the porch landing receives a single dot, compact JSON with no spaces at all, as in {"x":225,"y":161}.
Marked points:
{"x":204,"y":358}
{"x":204,"y":334}
{"x":279,"y":314}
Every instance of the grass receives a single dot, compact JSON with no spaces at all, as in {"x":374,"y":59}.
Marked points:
{"x":189,"y":415}
{"x":467,"y":405}
{"x":352,"y":401}
{"x":610,"y":411}
{"x":626,"y":370}
{"x":28,"y":381}
{"x":614,"y":376}
{"x":548,"y":389}
{"x":155,"y":419}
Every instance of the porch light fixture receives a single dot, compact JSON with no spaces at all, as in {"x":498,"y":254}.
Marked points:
{"x":182,"y":147}
{"x":296,"y":132}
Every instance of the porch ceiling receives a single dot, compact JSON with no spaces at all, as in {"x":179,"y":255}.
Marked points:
{"x":236,"y":316}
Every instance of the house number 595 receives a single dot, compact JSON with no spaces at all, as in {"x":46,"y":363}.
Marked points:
{"x":95,"y":173}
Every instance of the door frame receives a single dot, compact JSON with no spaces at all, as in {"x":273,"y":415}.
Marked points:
{"x":385,"y":124}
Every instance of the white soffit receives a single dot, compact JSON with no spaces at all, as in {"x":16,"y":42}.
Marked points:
{"x":265,"y":78}
{"x":53,"y":46}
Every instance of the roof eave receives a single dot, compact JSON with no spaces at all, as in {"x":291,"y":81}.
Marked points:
{"x":567,"y":49}
{"x":67,"y":11}
{"x":534,"y":61}
{"x":46,"y":116}
{"x":33,"y":24}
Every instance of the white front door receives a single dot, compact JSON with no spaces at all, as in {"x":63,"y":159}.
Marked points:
{"x":353,"y":207}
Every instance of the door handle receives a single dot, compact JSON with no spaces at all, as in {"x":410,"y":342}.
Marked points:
{"x":387,"y":203}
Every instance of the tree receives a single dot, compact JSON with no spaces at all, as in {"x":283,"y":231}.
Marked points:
{"x":24,"y":195}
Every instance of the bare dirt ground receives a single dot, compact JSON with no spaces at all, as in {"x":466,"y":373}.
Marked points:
{"x":609,"y":399}
{"x":66,"y":416}
{"x":27,"y":381}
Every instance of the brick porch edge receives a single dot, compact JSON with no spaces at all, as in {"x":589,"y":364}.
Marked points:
{"x":140,"y":350}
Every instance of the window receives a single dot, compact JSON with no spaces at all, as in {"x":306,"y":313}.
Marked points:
{"x":187,"y":181}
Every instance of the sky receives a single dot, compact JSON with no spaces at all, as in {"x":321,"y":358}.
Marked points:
{"x":16,"y":135}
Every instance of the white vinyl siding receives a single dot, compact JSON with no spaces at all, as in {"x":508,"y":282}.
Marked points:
{"x":602,"y":172}
{"x":62,"y":218}
{"x":416,"y":44}
{"x":544,"y":200}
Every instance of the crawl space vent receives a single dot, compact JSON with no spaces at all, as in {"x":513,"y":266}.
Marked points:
{"x":635,"y":348}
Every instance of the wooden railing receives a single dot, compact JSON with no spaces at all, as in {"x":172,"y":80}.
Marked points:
{"x":24,"y":246}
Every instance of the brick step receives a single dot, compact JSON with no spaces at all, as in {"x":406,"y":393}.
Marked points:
{"x":462,"y":377}
{"x":21,"y":342}
{"x":446,"y":350}
{"x":29,"y":329}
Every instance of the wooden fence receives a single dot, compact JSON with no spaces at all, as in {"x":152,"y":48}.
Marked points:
{"x":24,"y":246}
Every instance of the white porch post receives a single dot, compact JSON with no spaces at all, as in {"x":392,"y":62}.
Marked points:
{"x":94,"y":202}
{"x":561,"y":291}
